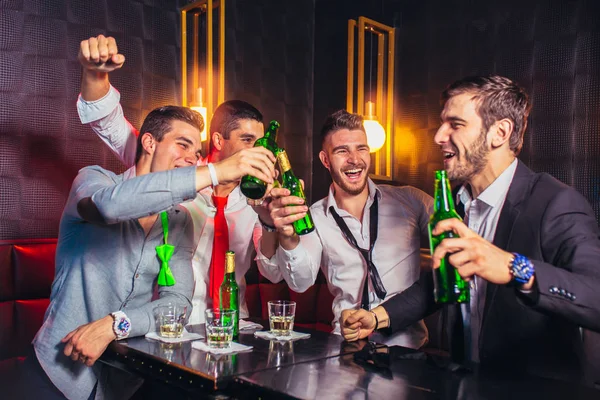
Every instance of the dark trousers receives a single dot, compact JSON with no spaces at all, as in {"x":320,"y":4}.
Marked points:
{"x":35,"y":384}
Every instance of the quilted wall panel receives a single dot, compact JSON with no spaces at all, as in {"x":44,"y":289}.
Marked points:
{"x":269,"y":62}
{"x":270,"y":56}
{"x":550,"y":47}
{"x":42,"y":142}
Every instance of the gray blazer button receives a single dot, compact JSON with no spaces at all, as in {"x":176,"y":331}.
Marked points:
{"x":553,"y":289}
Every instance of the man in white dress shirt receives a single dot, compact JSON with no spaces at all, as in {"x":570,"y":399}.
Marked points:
{"x":234,"y":127}
{"x":401,"y":213}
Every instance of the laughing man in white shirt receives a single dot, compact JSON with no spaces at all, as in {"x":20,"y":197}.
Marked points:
{"x":403,"y":215}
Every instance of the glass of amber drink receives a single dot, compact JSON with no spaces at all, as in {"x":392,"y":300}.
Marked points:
{"x":281,"y":317}
{"x":170,"y":320}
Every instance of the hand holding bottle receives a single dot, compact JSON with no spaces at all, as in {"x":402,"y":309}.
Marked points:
{"x":286,"y":209}
{"x":471,"y":254}
{"x":257,"y":162}
{"x":254,"y":187}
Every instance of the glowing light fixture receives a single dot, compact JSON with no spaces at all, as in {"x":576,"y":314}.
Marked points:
{"x":375,"y":132}
{"x":202,"y":17}
{"x":197,"y":105}
{"x":378,"y":112}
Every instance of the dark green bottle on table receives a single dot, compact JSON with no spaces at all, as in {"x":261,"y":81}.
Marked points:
{"x":229,"y":290}
{"x":252,"y":187}
{"x":292,"y":183}
{"x":449,"y":286}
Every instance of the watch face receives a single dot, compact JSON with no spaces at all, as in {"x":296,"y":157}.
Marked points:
{"x":124,"y":325}
{"x":522,"y":269}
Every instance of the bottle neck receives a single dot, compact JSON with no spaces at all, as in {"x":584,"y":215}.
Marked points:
{"x":271,"y":133}
{"x":229,"y":276}
{"x":284,"y":162}
{"x":443,"y":195}
{"x":229,"y":263}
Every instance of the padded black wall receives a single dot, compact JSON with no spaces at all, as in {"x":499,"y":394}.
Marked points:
{"x":269,"y":59}
{"x":269,"y":52}
{"x":289,"y":59}
{"x":552,"y":48}
{"x":42,"y":142}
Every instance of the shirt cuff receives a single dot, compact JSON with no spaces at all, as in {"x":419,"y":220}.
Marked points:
{"x":290,"y":256}
{"x":90,"y":111}
{"x":529,"y":297}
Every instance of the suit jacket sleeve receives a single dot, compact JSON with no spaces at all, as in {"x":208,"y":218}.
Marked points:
{"x":413,"y":304}
{"x":570,"y":286}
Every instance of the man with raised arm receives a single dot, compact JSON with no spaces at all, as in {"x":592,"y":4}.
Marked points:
{"x":120,"y":235}
{"x":220,"y":211}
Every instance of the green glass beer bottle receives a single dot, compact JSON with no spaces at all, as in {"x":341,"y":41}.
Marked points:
{"x":449,"y":286}
{"x":292,"y":183}
{"x":252,"y":187}
{"x":229,"y":290}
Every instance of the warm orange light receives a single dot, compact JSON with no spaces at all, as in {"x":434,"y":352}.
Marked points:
{"x":197,"y":106}
{"x":375,"y":132}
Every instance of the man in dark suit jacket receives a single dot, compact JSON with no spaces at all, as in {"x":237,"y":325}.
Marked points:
{"x":539,"y":267}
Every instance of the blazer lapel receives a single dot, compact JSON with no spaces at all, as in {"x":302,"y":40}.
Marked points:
{"x":519,"y":188}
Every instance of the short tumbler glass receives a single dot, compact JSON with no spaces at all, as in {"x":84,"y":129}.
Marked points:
{"x":219,"y":327}
{"x":170,"y":320}
{"x":281,"y":317}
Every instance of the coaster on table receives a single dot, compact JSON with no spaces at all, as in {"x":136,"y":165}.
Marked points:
{"x":249,"y":325}
{"x":186,"y":337}
{"x":233,"y":348}
{"x":269,"y":336}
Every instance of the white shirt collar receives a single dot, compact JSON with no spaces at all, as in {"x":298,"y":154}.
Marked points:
{"x":495,"y":193}
{"x":373,"y":191}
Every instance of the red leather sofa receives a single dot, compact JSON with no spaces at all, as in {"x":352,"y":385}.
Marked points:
{"x":26,"y":274}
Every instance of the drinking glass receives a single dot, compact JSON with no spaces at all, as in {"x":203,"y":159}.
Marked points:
{"x":281,"y":317}
{"x":170,"y":320}
{"x":219,"y":327}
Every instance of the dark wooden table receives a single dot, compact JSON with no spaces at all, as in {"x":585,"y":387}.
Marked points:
{"x":344,"y":377}
{"x":193,"y":370}
{"x":323,"y":366}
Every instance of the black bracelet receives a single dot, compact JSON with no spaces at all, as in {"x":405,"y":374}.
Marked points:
{"x":376,"y":320}
{"x":267,"y":227}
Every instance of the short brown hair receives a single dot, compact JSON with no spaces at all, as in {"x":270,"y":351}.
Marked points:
{"x":498,"y":98}
{"x":158,"y":123}
{"x":341,"y":119}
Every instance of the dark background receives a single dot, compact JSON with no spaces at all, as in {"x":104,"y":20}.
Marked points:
{"x":289,"y":59}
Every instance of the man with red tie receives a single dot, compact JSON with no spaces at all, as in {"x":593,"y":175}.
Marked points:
{"x":223,"y":219}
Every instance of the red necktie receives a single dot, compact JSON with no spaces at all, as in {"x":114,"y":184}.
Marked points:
{"x":220,"y":246}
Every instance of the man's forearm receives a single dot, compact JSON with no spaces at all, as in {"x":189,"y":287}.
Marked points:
{"x":268,"y":243}
{"x":94,"y":85}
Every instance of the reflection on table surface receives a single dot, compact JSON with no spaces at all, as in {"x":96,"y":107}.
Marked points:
{"x":323,"y":366}
{"x":265,"y":353}
{"x":404,"y":378}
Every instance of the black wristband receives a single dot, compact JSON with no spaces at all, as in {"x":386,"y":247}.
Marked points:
{"x":267,"y":227}
{"x":376,"y":320}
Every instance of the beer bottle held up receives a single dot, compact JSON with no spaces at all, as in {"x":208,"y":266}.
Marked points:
{"x":449,"y":286}
{"x":292,"y":183}
{"x":252,"y":187}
